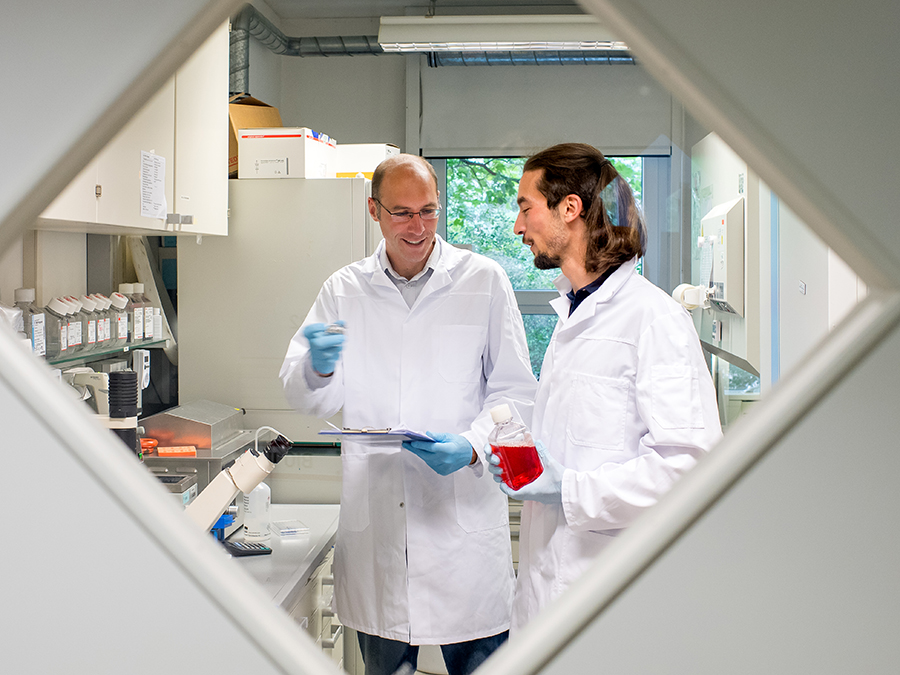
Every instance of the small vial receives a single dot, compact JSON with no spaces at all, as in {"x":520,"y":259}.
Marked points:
{"x":335,"y":328}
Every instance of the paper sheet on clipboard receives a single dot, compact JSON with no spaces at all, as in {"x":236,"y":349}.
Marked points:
{"x":377,"y":436}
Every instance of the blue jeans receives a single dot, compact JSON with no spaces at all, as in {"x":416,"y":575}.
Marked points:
{"x":384,"y":657}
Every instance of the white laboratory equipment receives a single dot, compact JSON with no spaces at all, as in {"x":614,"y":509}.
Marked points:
{"x":722,"y":230}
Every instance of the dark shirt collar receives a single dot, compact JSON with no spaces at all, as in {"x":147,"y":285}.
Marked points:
{"x":577,"y":297}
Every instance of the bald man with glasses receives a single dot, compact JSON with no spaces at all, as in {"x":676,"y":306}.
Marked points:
{"x":432,"y":341}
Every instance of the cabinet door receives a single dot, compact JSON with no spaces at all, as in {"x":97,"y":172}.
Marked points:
{"x":78,"y":202}
{"x":201,"y":130}
{"x":119,"y":164}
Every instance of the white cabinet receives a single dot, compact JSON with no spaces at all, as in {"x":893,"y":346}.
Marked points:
{"x":186,"y":123}
{"x":201,"y":138}
{"x":119,"y":163}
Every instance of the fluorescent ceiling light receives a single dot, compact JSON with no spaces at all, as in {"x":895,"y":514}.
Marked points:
{"x":558,"y":32}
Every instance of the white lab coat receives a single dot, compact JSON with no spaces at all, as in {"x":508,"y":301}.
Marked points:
{"x":626,"y":404}
{"x":419,"y":557}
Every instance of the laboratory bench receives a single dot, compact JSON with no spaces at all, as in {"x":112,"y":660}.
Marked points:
{"x":297,"y":574}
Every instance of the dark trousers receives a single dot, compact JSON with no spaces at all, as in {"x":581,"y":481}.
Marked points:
{"x":386,"y":657}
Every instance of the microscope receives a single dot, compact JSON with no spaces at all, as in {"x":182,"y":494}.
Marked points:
{"x":243,"y":475}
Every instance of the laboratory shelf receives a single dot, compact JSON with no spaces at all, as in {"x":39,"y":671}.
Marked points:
{"x":86,"y":357}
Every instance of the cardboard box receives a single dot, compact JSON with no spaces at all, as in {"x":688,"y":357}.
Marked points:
{"x":246,"y":112}
{"x":356,"y":158}
{"x":285,"y":152}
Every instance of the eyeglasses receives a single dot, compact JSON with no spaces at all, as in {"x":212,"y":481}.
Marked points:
{"x":406,"y":216}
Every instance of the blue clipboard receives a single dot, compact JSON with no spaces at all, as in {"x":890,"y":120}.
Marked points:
{"x":374,"y":436}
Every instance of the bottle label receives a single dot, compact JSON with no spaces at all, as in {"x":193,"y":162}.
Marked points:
{"x":122,"y":322}
{"x":63,"y":337}
{"x":139,"y":323}
{"x":107,"y":329}
{"x":74,"y":333}
{"x":38,"y":343}
{"x":92,"y":332}
{"x":148,"y":323}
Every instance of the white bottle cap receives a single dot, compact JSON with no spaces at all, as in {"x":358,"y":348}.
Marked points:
{"x":58,"y":306}
{"x":138,"y":288}
{"x":24,"y":295}
{"x":501,"y":413}
{"x":126,"y":289}
{"x":76,"y":302}
{"x":118,"y":300}
{"x":86,"y":302}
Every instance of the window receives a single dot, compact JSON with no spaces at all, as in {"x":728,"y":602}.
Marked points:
{"x":480,"y":212}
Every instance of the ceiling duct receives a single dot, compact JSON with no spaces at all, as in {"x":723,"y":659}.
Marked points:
{"x":537,"y":58}
{"x":250,"y":23}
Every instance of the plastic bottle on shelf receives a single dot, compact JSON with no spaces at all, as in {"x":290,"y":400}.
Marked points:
{"x":76,"y":324}
{"x":33,"y":319}
{"x":103,"y":320}
{"x":511,"y":441}
{"x":148,"y":310}
{"x":157,"y":324}
{"x":135,"y":317}
{"x":57,"y":329}
{"x":82,"y":315}
{"x":256,"y":513}
{"x":121,"y":323}
{"x":89,"y":307}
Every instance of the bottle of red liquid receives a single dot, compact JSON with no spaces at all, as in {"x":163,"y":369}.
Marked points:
{"x":512,"y":443}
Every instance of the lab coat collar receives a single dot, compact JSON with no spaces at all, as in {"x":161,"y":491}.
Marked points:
{"x":443,"y":259}
{"x":603,"y":294}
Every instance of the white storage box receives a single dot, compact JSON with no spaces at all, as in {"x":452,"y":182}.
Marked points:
{"x":285,"y":152}
{"x":356,"y":158}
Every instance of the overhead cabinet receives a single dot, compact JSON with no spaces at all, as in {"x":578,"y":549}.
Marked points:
{"x":175,"y":148}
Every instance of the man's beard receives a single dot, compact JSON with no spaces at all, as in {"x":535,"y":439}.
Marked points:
{"x":545,"y":261}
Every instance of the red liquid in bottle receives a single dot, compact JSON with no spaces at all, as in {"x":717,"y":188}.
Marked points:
{"x":520,"y":464}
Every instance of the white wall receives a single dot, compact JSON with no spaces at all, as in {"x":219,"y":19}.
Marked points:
{"x":353,"y":99}
{"x":803,"y":291}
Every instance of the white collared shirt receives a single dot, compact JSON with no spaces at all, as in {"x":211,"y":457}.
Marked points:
{"x":411,"y":288}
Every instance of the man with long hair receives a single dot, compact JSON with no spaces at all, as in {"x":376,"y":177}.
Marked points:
{"x":625,"y":403}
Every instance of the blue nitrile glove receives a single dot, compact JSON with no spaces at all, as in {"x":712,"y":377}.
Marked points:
{"x":448,"y":452}
{"x":546,"y":488}
{"x":324,"y":347}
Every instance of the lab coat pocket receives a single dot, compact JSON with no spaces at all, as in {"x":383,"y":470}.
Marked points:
{"x":355,"y":492}
{"x":480,"y":505}
{"x":459,"y":353}
{"x":597,"y":411}
{"x":675,"y":397}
